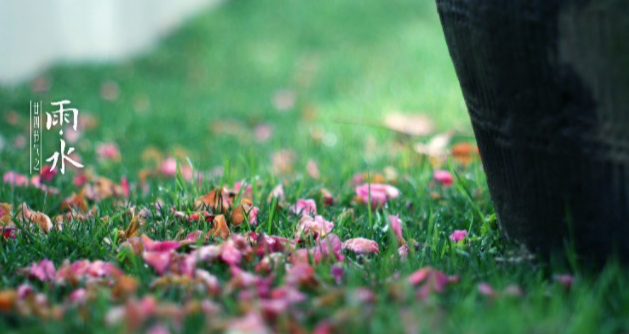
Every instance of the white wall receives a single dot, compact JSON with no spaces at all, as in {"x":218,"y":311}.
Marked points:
{"x":37,"y":33}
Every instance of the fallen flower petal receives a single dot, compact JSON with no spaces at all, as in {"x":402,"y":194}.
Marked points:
{"x":429,"y":281}
{"x":47,"y":173}
{"x":316,"y":227}
{"x":442,"y":177}
{"x":326,"y":248}
{"x":108,"y":151}
{"x":486,"y":290}
{"x":396,"y":226}
{"x":252,"y":323}
{"x":6,"y":214}
{"x":458,"y":235}
{"x":158,"y":246}
{"x":43,"y":271}
{"x":7,"y":300}
{"x":24,"y":290}
{"x":217,"y":200}
{"x":192,"y":237}
{"x":15,"y":179}
{"x":158,"y":329}
{"x":361,"y":246}
{"x":378,"y":193}
{"x":230,"y":254}
{"x":277,"y":192}
{"x":40,"y":219}
{"x":78,"y":296}
{"x":207,"y":253}
{"x":337,"y":272}
{"x":160,"y":261}
{"x":566,"y":280}
{"x":220,"y":227}
{"x":300,"y":274}
{"x":304,"y":207}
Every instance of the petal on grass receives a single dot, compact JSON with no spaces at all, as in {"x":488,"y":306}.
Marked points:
{"x":378,"y":193}
{"x":304,"y":207}
{"x":458,"y":235}
{"x":443,"y":177}
{"x":43,"y":271}
{"x":217,"y":200}
{"x":396,"y":226}
{"x":158,"y":246}
{"x":160,"y":261}
{"x":220,"y":228}
{"x":361,"y":246}
{"x":316,"y":227}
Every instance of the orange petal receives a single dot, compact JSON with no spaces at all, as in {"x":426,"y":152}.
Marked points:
{"x":6,"y":214}
{"x":7,"y":300}
{"x":217,"y":199}
{"x":124,"y":286}
{"x":464,"y":152}
{"x":220,"y":227}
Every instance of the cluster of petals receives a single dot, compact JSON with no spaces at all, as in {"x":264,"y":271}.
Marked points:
{"x":45,"y":271}
{"x":304,"y":207}
{"x":21,"y":180}
{"x":428,"y":280}
{"x":315,"y":227}
{"x":376,"y":193}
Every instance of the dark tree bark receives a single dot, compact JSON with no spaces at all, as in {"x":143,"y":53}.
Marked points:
{"x":546,"y":84}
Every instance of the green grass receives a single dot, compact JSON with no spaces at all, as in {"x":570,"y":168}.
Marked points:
{"x":348,"y":62}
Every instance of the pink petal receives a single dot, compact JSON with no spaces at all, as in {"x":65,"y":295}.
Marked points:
{"x":396,"y":226}
{"x":158,"y":246}
{"x":337,"y":272}
{"x":208,"y":253}
{"x":15,"y":179}
{"x":458,"y":235}
{"x":253,"y":216}
{"x":443,"y":177}
{"x":251,"y":323}
{"x":210,"y":281}
{"x":377,"y":192}
{"x":328,"y":247}
{"x":278,"y":192}
{"x":486,"y":290}
{"x":245,"y":192}
{"x":429,"y":281}
{"x":168,"y":167}
{"x":78,"y":295}
{"x":270,"y":244}
{"x":192,"y":237}
{"x":99,"y":268}
{"x":262,"y":132}
{"x":230,"y":254}
{"x":299,"y":274}
{"x":158,"y":329}
{"x":160,"y":261}
{"x":108,"y":151}
{"x":304,"y":207}
{"x":43,"y":271}
{"x":24,"y":290}
{"x":317,"y":227}
{"x":361,"y":246}
{"x":47,"y":173}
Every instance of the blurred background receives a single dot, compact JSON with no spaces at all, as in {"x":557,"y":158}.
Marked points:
{"x":237,"y":82}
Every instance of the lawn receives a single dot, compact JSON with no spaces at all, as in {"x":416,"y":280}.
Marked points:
{"x":246,"y":98}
